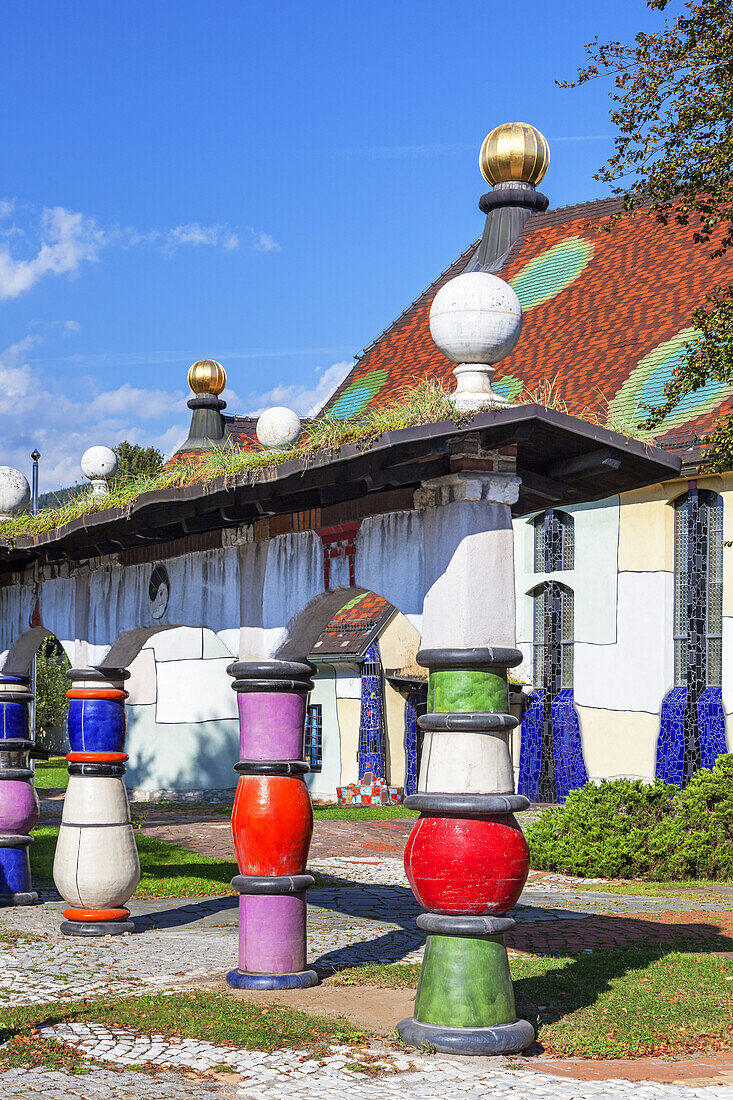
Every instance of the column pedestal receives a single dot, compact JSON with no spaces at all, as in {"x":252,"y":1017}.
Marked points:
{"x":466,"y":858}
{"x":96,"y":867}
{"x":19,"y":805}
{"x":272,"y":823}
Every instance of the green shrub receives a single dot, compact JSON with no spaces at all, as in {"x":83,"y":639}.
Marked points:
{"x":629,"y":829}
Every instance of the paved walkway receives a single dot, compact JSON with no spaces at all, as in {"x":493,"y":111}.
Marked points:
{"x":363,"y":912}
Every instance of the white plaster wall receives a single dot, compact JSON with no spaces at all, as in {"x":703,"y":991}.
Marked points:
{"x":194,"y":691}
{"x":619,"y":744}
{"x":16,"y":605}
{"x":469,"y":576}
{"x":593,"y":579}
{"x":727,"y":670}
{"x":323,"y":784}
{"x":389,"y":560}
{"x":183,"y":730}
{"x":293,"y":577}
{"x":348,"y":681}
{"x":636,"y":672}
{"x":204,"y":591}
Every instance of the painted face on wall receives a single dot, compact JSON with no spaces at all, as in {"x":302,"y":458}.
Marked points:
{"x":158,"y":591}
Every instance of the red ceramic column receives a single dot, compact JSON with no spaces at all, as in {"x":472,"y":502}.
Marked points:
{"x":272,"y":822}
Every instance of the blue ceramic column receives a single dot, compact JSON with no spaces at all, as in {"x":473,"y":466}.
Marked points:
{"x":18,"y":799}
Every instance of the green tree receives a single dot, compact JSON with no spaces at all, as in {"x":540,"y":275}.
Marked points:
{"x":136,"y":461}
{"x":51,"y":687}
{"x":673,"y":113}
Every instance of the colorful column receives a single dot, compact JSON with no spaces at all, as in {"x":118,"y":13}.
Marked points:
{"x":96,"y":868}
{"x":272,"y":823}
{"x":19,"y":804}
{"x":466,"y":857}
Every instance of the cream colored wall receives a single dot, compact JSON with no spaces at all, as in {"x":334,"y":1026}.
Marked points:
{"x":394,"y":712}
{"x":618,"y":743}
{"x":398,"y":642}
{"x":348,"y":711}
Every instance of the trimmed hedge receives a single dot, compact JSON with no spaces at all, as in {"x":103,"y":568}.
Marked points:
{"x":630,"y":829}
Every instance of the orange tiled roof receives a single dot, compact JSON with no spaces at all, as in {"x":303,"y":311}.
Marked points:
{"x":605,"y":315}
{"x":354,"y":627}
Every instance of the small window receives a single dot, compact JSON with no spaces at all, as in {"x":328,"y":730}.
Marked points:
{"x":553,"y":636}
{"x":698,"y":602}
{"x":554,"y":541}
{"x":314,"y":736}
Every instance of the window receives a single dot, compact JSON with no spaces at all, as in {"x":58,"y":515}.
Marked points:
{"x":314,"y":736}
{"x":553,"y":637}
{"x":554,"y":541}
{"x":698,"y":590}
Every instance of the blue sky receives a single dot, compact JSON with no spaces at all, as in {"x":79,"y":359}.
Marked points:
{"x":264,"y":184}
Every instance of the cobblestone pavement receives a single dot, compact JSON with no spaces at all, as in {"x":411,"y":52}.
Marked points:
{"x":370,"y":1072}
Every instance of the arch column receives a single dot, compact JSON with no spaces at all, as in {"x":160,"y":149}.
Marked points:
{"x":272,"y":823}
{"x":19,"y":803}
{"x":96,"y":867}
{"x":466,"y":857}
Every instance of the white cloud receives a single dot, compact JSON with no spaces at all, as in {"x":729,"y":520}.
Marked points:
{"x":305,"y":400}
{"x":196,"y":234}
{"x":264,"y":242}
{"x":67,"y":240}
{"x":37,"y":409}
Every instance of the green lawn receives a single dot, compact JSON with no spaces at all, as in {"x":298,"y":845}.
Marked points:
{"x":216,"y":1017}
{"x":360,"y":813}
{"x":52,"y":773}
{"x":609,"y":1004}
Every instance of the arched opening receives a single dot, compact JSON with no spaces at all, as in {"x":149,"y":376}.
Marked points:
{"x":368,"y":690}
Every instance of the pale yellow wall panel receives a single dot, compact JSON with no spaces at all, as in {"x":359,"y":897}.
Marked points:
{"x":398,"y":643}
{"x":646,"y":530}
{"x":394,"y":708}
{"x":619,"y":743}
{"x":348,"y":716}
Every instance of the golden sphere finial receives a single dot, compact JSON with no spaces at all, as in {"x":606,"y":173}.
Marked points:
{"x":207,"y":376}
{"x":514,"y":153}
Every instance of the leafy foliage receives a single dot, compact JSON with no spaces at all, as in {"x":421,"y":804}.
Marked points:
{"x":629,"y":829}
{"x":673,"y":112}
{"x":136,"y":461}
{"x":51,"y":687}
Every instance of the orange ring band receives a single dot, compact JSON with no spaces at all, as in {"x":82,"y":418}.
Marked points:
{"x":97,"y":757}
{"x":96,"y":914}
{"x":102,"y":693}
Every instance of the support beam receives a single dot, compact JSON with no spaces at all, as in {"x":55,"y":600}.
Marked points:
{"x":96,"y":867}
{"x":589,"y":463}
{"x":272,"y":824}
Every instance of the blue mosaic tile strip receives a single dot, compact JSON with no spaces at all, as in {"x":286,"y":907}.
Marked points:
{"x":530,"y":752}
{"x":371,"y":720}
{"x":411,"y":742}
{"x":711,"y":726}
{"x":671,"y":742}
{"x":570,"y":773}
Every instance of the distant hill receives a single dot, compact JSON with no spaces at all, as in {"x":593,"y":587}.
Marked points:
{"x":60,"y":496}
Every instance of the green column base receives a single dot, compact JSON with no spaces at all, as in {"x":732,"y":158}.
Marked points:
{"x":465,"y":982}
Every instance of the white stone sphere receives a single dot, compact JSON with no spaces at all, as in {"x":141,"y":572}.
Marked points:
{"x":99,"y":463}
{"x":476,"y":318}
{"x":15,"y":492}
{"x":278,"y":428}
